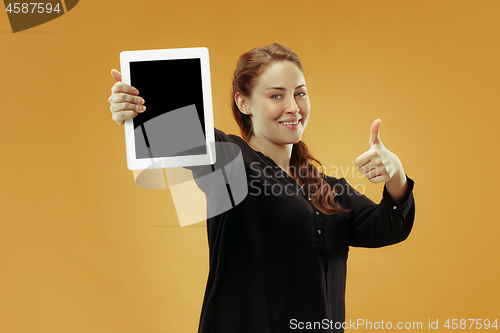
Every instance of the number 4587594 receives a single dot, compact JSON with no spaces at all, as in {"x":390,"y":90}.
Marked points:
{"x":36,"y":7}
{"x":473,"y":324}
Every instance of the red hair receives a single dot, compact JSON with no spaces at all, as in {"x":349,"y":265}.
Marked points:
{"x":250,"y":66}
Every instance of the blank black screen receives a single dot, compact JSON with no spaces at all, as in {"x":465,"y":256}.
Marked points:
{"x":167,"y":85}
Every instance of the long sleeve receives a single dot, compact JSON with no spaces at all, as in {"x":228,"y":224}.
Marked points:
{"x":386,"y":223}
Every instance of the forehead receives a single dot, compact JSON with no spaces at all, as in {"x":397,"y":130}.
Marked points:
{"x":281,"y":74}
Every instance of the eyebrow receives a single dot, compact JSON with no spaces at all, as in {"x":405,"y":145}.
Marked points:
{"x":280,"y":88}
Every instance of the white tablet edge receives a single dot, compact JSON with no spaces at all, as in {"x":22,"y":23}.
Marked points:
{"x":176,"y":161}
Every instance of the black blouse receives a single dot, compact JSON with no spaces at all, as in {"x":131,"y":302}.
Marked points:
{"x":277,"y":264}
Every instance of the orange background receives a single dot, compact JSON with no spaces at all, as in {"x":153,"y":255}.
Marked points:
{"x":83,"y":249}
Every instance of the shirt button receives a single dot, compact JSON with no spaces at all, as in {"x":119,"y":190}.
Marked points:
{"x":319,"y":232}
{"x":317,"y":213}
{"x":395,"y":207}
{"x":309,"y":198}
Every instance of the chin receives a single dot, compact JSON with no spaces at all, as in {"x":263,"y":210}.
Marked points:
{"x":296,"y":139}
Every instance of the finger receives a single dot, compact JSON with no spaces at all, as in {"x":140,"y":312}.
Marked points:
{"x":379,"y":179}
{"x":121,"y":97}
{"x":121,"y":116}
{"x":116,"y":75}
{"x":375,"y":162}
{"x":364,"y":158}
{"x":116,"y":107}
{"x":120,"y":87}
{"x":375,"y":132}
{"x":375,"y":172}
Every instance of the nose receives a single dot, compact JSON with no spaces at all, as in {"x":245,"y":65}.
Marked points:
{"x":291,"y":105}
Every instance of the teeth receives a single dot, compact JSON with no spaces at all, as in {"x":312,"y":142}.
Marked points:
{"x":289,"y":123}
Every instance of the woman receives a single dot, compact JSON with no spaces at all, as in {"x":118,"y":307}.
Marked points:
{"x":278,"y":259}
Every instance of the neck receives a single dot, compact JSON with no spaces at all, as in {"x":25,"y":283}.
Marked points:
{"x":280,"y":154}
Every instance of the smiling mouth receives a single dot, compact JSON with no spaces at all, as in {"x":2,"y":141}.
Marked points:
{"x":290,"y":123}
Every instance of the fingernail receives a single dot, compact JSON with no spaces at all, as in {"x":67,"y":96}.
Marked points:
{"x":140,"y":100}
{"x":143,"y":108}
{"x":136,"y":92}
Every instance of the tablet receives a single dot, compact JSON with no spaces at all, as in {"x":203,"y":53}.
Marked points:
{"x":177,"y":128}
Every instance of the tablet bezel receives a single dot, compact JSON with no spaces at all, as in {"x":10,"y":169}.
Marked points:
{"x":133,"y":163}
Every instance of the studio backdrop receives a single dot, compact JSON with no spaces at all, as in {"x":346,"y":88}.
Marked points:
{"x":84,"y":249}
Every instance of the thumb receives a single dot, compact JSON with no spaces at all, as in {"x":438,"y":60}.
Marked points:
{"x":116,"y":75}
{"x":375,"y":132}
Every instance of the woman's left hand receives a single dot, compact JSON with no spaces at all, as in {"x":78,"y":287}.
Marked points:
{"x":378,"y":164}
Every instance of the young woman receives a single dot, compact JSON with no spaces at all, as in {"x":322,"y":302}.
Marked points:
{"x":278,"y":259}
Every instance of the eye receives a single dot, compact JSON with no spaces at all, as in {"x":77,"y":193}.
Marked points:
{"x":301,"y":94}
{"x":276,"y":96}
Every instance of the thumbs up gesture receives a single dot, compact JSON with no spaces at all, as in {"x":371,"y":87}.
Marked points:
{"x":379,"y":165}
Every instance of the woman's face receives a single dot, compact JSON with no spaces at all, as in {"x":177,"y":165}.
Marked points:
{"x":279,"y":105}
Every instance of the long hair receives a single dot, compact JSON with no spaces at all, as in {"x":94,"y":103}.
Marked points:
{"x":304,"y":167}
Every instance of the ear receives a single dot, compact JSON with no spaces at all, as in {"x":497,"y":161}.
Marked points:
{"x":242,"y":103}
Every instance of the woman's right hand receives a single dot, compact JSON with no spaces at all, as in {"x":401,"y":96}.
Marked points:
{"x":124,"y":100}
